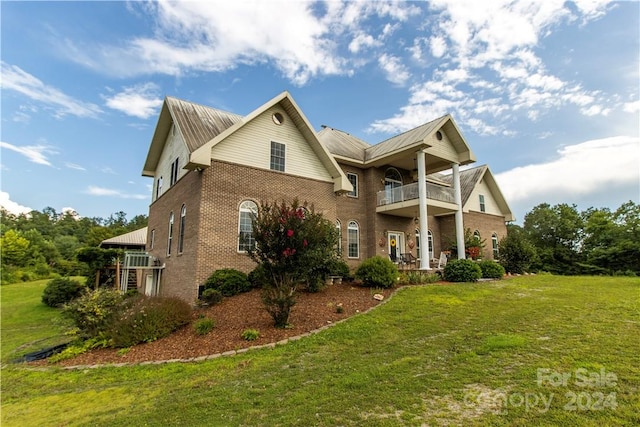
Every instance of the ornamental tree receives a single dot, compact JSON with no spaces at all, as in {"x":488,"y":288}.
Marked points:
{"x":294,"y":245}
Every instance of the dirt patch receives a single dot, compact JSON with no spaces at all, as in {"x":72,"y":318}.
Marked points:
{"x":232,"y":316}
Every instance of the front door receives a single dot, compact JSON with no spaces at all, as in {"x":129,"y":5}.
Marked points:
{"x":395,"y":245}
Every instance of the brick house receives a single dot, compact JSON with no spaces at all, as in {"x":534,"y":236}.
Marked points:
{"x":212,"y":169}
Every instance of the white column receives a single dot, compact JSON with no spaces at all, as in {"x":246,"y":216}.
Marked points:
{"x":459,"y":225}
{"x":422,"y":203}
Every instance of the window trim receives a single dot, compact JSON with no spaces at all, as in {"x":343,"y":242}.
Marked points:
{"x":272,"y":156}
{"x":353,"y":193}
{"x":339,"y":228}
{"x":170,"y":234}
{"x":246,"y":206}
{"x":483,"y":206}
{"x":494,"y":245}
{"x":183,"y":214}
{"x":353,"y":226}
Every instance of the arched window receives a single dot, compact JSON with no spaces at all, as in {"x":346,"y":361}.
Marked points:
{"x":494,"y":245}
{"x":392,"y":185}
{"x":248,"y":211}
{"x":183,"y":215}
{"x":339,"y":230}
{"x":353,"y":240}
{"x":476,"y":235}
{"x":170,"y":238}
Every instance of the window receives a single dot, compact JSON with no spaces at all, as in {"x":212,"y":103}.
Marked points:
{"x":353,"y":239}
{"x":353,"y":179}
{"x":393,"y":185}
{"x":159,"y":187}
{"x":170,"y":238}
{"x":476,"y":235}
{"x":248,"y":211}
{"x":494,"y":245}
{"x":153,"y":239}
{"x":339,"y":230}
{"x":277,"y":157}
{"x":417,"y":243}
{"x":482,"y":206}
{"x":183,"y":215}
{"x":430,"y":243}
{"x":174,"y":172}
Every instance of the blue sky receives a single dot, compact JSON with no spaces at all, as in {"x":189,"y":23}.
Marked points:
{"x":546,"y":93}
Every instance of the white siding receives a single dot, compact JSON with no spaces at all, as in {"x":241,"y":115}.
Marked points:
{"x":251,"y":146}
{"x":173,"y":147}
{"x":473,"y":204}
{"x":443,"y":148}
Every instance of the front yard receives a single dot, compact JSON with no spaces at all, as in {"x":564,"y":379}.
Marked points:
{"x":535,"y":350}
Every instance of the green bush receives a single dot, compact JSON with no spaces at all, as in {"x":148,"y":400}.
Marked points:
{"x":250,"y":334}
{"x":211,"y":296}
{"x":377,"y":272}
{"x":147,"y":319}
{"x":339,"y":268}
{"x":491,"y":269}
{"x":258,"y":277}
{"x":203,"y":326}
{"x":228,"y":281}
{"x":61,"y":291}
{"x":93,"y":312}
{"x":462,"y":270}
{"x":419,"y":278}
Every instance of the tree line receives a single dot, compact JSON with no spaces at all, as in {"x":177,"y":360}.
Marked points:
{"x":562,"y":240}
{"x":42,"y":244}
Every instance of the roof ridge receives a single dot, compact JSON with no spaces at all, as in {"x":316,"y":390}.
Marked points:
{"x":203,"y":105}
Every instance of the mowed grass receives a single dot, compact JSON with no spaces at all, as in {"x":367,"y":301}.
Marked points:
{"x":534,"y":350}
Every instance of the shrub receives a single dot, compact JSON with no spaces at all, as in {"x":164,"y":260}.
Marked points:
{"x":60,"y":291}
{"x":462,"y":270}
{"x":339,"y":268}
{"x":378,"y":272}
{"x":203,"y":326}
{"x":491,"y":269}
{"x":258,"y":276}
{"x":93,"y":312}
{"x":211,"y":296}
{"x":250,"y":334}
{"x":419,"y":278}
{"x":228,"y":281}
{"x":147,"y":319}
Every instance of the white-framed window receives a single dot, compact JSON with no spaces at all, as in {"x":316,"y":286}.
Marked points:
{"x":353,"y":240}
{"x":482,"y":205}
{"x":277,"y":156}
{"x":247,"y":212}
{"x":429,"y":243}
{"x":174,"y":172}
{"x":393,"y":185}
{"x":494,"y":245}
{"x":153,"y":239}
{"x":339,"y":230}
{"x":170,"y":235}
{"x":353,"y":179}
{"x":159,"y":187}
{"x":183,"y":218}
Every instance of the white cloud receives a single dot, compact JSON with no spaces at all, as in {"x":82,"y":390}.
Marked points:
{"x":140,"y":101}
{"x":394,"y":70}
{"x":74,"y":166}
{"x":438,"y":46}
{"x":108,"y":192}
{"x":34,"y":153}
{"x":362,"y":40}
{"x":578,"y":170}
{"x":632,"y":107}
{"x":14,"y":78}
{"x":11,"y":206}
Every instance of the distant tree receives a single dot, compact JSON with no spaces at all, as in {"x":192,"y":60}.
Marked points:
{"x":14,"y":249}
{"x":555,"y":231}
{"x":516,"y":252}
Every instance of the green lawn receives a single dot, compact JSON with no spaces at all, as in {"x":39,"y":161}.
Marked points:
{"x":534,"y":350}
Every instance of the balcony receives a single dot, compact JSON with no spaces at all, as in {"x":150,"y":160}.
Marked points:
{"x":404,"y":201}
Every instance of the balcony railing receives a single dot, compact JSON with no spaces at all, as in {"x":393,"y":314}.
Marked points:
{"x":410,"y":192}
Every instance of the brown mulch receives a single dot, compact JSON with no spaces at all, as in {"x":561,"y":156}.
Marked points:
{"x":235,"y":314}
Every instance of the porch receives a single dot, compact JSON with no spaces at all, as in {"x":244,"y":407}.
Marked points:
{"x":404,"y":200}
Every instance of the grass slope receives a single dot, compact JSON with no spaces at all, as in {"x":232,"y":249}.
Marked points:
{"x":465,"y":354}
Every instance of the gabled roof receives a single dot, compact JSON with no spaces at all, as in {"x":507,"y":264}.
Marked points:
{"x":196,"y":123}
{"x":349,"y":148}
{"x":469,"y":178}
{"x":133,"y":238}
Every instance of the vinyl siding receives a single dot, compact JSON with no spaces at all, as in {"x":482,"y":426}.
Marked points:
{"x":473,"y":204}
{"x":173,"y":147}
{"x":443,"y":148}
{"x":251,"y":146}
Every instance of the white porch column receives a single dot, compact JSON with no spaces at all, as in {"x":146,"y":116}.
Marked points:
{"x":422,"y":203}
{"x":459,"y":225}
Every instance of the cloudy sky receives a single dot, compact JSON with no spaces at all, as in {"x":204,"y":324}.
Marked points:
{"x":545,"y":92}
